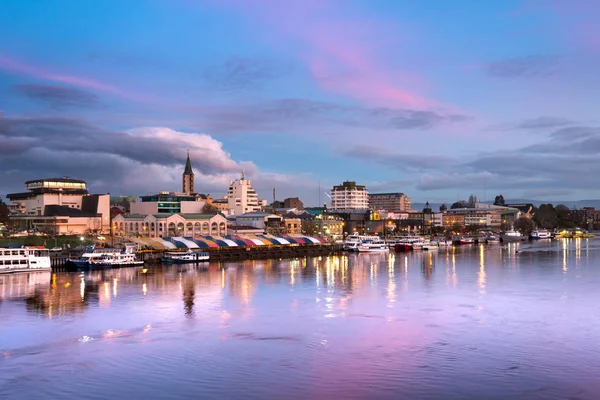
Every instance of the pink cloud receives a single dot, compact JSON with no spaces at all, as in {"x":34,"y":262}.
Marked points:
{"x":340,"y":50}
{"x":13,"y":65}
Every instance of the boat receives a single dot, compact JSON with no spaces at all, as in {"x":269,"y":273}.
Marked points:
{"x":492,"y":239}
{"x":353,"y":241}
{"x":406,"y":243}
{"x":466,"y":240}
{"x":418,"y":245}
{"x":371,"y":246}
{"x":512,"y":236}
{"x":24,"y":259}
{"x":184,"y":258}
{"x":430,"y":246}
{"x":108,"y":257}
{"x":444,"y":242}
{"x":537,"y":234}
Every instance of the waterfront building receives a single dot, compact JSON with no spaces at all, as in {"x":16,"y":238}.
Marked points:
{"x":292,"y":225}
{"x":170,"y":203}
{"x":220,"y":205}
{"x":60,"y":206}
{"x":170,"y":225}
{"x":241,"y":197}
{"x":392,"y":202}
{"x":349,"y":196}
{"x":270,"y":223}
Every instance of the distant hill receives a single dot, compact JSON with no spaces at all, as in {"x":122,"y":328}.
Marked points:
{"x":577,"y":204}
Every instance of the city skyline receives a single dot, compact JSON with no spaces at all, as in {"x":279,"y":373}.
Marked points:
{"x":437,"y":102}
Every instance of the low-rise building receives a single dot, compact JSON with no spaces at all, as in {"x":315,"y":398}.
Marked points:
{"x":170,"y":225}
{"x":170,"y":203}
{"x":270,"y":223}
{"x":60,"y":206}
{"x":292,"y":225}
{"x":392,"y":202}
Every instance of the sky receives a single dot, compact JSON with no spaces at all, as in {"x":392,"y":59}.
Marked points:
{"x":438,"y":99}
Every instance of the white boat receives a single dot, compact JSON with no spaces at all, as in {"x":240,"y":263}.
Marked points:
{"x":353,"y":241}
{"x":418,"y":245}
{"x":184,"y":258}
{"x":512,"y":236}
{"x":371,"y":246}
{"x":540,"y":234}
{"x":444,"y":243}
{"x":24,"y":259}
{"x":108,"y":257}
{"x":430,"y":246}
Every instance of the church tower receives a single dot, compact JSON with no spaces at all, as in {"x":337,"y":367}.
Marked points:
{"x":188,"y":177}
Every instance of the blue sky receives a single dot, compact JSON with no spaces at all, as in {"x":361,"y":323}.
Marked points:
{"x":435,"y":99}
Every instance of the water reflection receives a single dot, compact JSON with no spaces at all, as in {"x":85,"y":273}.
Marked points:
{"x":273,"y":326}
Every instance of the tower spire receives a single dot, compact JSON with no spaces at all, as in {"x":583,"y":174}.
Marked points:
{"x":188,"y":176}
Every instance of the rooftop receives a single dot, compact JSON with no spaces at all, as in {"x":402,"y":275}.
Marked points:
{"x":65,"y":179}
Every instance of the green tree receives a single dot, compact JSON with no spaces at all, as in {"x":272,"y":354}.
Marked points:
{"x":443,"y":208}
{"x":524,"y":225}
{"x":4,"y":213}
{"x":208,"y":208}
{"x":499,"y":200}
{"x":459,"y":204}
{"x":546,"y":217}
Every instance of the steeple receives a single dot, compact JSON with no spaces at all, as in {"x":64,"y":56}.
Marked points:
{"x":188,"y":165}
{"x":188,"y":176}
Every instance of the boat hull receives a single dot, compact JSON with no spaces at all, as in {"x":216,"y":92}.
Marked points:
{"x":512,"y":239}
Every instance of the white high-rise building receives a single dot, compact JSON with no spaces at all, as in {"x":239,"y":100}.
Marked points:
{"x":241,"y":197}
{"x":349,"y":196}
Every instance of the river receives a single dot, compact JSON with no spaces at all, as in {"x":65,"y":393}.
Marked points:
{"x":518,"y":321}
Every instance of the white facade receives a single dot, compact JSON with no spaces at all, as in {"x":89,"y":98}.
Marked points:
{"x":169,"y":225}
{"x":349,"y":196}
{"x":242,"y":198}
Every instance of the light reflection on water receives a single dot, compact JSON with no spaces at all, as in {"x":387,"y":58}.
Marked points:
{"x":513,"y":321}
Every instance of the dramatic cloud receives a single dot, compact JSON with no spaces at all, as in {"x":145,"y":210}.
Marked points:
{"x":401,"y":161}
{"x":289,"y":114}
{"x":337,"y":45}
{"x":525,"y":67}
{"x":12,"y":65}
{"x":58,"y":97}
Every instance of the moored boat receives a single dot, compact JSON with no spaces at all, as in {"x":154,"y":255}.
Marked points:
{"x":512,"y":236}
{"x":107,"y":258}
{"x":24,"y":259}
{"x":492,"y":239}
{"x":372,"y":246}
{"x":353,"y":241}
{"x":466,"y":240}
{"x":184,"y":258}
{"x":537,"y":234}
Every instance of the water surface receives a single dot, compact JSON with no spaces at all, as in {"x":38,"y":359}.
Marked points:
{"x":485,"y":322}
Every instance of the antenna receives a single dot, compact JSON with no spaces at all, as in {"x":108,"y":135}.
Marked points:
{"x":273,"y":195}
{"x":485,"y":190}
{"x":319,"y":193}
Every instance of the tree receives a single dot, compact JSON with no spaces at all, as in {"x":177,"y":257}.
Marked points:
{"x":546,"y":217}
{"x":499,"y":200}
{"x":208,"y":208}
{"x":443,"y":208}
{"x":459,"y":204}
{"x":4,"y":213}
{"x":524,"y":225}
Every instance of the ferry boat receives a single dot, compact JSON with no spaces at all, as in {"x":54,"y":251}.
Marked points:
{"x":108,"y":257}
{"x":184,"y":258}
{"x":371,"y":246}
{"x":353,"y":241}
{"x":24,"y":259}
{"x":540,"y":234}
{"x":430,"y":246}
{"x":512,"y":236}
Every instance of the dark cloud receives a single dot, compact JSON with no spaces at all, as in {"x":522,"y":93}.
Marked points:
{"x":239,"y":73}
{"x":401,"y":161}
{"x":525,"y":67}
{"x":58,"y":97}
{"x":292,"y":113}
